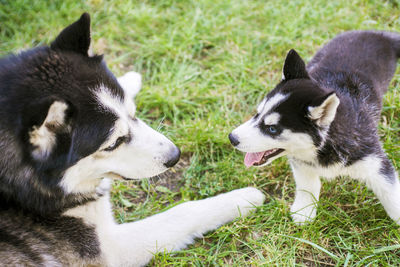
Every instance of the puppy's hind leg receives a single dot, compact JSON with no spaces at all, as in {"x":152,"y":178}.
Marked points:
{"x":308,"y":186}
{"x":381,"y":177}
{"x":134,"y":244}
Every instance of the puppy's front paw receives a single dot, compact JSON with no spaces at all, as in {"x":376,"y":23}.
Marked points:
{"x":303,"y":215}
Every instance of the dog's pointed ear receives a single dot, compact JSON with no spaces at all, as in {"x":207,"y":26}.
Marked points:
{"x":131,"y":82}
{"x":294,"y":67}
{"x":75,"y":37}
{"x":43,"y":137}
{"x":323,"y":110}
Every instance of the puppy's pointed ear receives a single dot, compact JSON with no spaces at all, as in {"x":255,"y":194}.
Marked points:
{"x":294,"y":67}
{"x":76,"y":37}
{"x":131,"y":82}
{"x":43,"y":137}
{"x":323,"y":111}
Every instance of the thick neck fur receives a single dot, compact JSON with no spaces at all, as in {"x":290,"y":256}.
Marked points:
{"x":38,"y":199}
{"x":348,"y":140}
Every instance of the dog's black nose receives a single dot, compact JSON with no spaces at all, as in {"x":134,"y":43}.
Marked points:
{"x":175,"y":154}
{"x":233,"y":140}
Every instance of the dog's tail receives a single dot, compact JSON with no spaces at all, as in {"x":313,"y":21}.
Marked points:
{"x":395,"y":39}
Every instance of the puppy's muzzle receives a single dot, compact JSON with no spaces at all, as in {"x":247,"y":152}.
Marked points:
{"x":233,"y":139}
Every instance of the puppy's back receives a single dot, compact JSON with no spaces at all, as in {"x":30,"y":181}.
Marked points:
{"x":371,"y":54}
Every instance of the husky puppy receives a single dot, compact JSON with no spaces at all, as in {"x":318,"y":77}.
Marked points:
{"x":67,"y":125}
{"x":324,"y":118}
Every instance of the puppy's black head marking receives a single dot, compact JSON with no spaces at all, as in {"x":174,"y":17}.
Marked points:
{"x":294,"y":67}
{"x":302,"y":93}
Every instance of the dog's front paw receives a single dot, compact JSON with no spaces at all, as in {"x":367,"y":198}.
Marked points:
{"x":104,"y":187}
{"x":245,"y":200}
{"x":303,"y":214}
{"x":199,"y":217}
{"x":131,"y":82}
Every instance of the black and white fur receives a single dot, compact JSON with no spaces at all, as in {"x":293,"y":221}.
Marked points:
{"x":324,"y":118}
{"x":67,"y":126}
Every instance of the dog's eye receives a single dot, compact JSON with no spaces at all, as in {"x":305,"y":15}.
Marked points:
{"x":272,"y":129}
{"x":120,"y":140}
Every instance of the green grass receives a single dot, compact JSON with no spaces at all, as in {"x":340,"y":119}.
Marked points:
{"x":205,"y":65}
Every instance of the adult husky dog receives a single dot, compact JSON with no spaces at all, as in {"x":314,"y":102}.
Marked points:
{"x":67,"y":123}
{"x":324,"y":118}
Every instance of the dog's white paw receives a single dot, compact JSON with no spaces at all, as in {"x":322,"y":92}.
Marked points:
{"x":131,"y":82}
{"x":201,"y":216}
{"x":216,"y":211}
{"x":104,"y":187}
{"x":245,"y":200}
{"x":302,"y":215}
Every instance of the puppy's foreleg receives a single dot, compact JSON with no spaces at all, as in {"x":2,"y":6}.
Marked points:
{"x":308,"y":186}
{"x":134,"y":244}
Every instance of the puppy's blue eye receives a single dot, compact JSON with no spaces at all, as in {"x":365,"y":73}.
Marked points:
{"x":272,"y":129}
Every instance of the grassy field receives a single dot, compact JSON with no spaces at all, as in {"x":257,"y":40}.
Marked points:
{"x":206,"y":64}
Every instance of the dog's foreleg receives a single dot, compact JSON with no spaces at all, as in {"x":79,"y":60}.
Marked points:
{"x":381,"y":177}
{"x":134,"y":244}
{"x":308,"y":186}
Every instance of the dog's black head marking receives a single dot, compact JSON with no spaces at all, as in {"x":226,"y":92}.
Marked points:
{"x":75,"y":37}
{"x":32,"y":84}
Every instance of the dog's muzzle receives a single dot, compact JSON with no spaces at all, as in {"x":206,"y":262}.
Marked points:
{"x":174,"y":156}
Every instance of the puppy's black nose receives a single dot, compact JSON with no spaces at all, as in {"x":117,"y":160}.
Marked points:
{"x":174,"y":156}
{"x":233,"y":140}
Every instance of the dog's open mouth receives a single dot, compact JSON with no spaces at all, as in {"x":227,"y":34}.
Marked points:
{"x":260,"y":158}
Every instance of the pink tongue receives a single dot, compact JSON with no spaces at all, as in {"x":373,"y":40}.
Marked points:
{"x":252,"y":158}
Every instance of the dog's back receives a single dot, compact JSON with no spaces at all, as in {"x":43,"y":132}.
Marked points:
{"x":370,"y":55}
